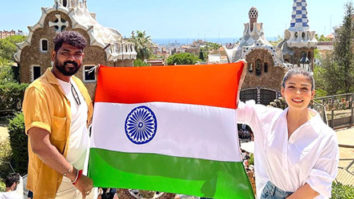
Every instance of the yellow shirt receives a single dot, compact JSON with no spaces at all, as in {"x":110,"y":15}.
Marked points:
{"x":45,"y":106}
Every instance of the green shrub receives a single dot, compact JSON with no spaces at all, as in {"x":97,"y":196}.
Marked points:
{"x":340,"y":191}
{"x":5,"y":155}
{"x":11,"y":96}
{"x":18,"y":142}
{"x":139,"y":62}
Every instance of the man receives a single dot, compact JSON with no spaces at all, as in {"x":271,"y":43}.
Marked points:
{"x":57,"y":111}
{"x":11,"y":182}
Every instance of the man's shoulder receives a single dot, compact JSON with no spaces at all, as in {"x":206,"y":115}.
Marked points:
{"x":77,"y":80}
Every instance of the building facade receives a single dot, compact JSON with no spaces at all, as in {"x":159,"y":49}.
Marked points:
{"x":105,"y":46}
{"x":267,"y":64}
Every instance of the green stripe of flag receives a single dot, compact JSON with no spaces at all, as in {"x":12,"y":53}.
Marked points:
{"x":198,"y":177}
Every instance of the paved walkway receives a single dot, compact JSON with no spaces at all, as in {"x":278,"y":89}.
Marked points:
{"x":346,"y":156}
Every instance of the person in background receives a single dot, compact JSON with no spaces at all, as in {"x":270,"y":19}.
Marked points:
{"x":11,"y":182}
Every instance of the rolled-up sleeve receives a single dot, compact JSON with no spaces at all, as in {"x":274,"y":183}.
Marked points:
{"x":35,"y":110}
{"x":325,"y":169}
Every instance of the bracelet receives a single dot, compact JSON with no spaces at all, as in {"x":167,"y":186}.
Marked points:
{"x":78,"y":175}
{"x":68,"y":171}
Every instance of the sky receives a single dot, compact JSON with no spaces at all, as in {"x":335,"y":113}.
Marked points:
{"x":198,"y":19}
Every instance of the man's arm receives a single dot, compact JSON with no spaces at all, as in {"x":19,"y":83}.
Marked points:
{"x":48,"y":153}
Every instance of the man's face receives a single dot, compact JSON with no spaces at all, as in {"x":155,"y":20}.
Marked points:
{"x":68,"y":59}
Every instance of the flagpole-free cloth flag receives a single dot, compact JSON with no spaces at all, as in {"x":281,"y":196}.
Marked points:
{"x":169,"y":129}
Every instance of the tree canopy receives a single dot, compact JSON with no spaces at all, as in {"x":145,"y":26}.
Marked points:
{"x":182,"y":59}
{"x":337,"y":75}
{"x":143,"y":44}
{"x":8,"y":46}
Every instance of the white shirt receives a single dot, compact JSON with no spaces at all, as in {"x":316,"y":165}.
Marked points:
{"x":79,"y":136}
{"x":10,"y":195}
{"x":309,"y":156}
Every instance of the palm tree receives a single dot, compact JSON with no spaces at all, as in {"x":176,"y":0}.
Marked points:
{"x":142,"y":43}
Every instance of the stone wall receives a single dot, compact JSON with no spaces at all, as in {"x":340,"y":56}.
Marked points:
{"x":270,"y":79}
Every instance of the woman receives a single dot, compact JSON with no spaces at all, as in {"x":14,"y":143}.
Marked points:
{"x":296,"y":154}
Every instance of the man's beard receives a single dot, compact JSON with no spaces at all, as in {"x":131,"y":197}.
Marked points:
{"x":67,"y":71}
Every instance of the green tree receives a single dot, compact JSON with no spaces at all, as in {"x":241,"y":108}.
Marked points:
{"x":139,"y":62}
{"x":143,"y":44}
{"x":322,"y":38}
{"x":8,"y":46}
{"x":338,"y":67}
{"x":343,"y":50}
{"x":331,"y":75}
{"x":6,"y":74}
{"x":182,"y":59}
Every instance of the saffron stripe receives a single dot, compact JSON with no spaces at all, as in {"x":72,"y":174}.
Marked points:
{"x":198,"y":177}
{"x":211,"y":85}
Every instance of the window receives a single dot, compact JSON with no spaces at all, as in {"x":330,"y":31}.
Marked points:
{"x":258,"y":67}
{"x":65,"y":3}
{"x":44,"y":45}
{"x":265,"y":67}
{"x":89,"y":73}
{"x":303,"y":35}
{"x":36,"y":72}
{"x":250,"y":68}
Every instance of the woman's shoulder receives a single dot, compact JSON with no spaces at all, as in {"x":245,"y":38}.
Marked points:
{"x":323,"y":130}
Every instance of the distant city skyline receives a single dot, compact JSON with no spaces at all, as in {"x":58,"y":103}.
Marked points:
{"x":194,"y":19}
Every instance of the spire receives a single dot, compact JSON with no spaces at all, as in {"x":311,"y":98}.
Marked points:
{"x":253,"y":15}
{"x":299,"y":21}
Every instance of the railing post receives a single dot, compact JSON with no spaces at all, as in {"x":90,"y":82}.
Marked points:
{"x":352,"y":111}
{"x":332,"y":113}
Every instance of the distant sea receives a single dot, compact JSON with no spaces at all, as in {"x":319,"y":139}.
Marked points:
{"x":183,"y":41}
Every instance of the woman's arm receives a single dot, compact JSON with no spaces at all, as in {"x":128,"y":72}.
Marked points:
{"x":304,"y":192}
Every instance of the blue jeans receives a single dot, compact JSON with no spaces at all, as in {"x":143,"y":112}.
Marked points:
{"x":270,"y":191}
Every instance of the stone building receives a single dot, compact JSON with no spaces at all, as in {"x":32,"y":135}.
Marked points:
{"x":106,"y":46}
{"x":267,"y":64}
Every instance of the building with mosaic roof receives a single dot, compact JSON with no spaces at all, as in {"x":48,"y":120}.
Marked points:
{"x":267,"y":64}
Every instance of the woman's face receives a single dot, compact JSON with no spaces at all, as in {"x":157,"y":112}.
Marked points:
{"x":297,"y":92}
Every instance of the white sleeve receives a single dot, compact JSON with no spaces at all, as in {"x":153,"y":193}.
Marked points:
{"x":254,"y":115}
{"x":325,"y":170}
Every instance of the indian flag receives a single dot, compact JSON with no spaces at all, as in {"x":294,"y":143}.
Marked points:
{"x":169,"y":129}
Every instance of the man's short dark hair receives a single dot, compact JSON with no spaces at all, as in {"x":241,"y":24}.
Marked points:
{"x":11,"y":179}
{"x":69,"y":37}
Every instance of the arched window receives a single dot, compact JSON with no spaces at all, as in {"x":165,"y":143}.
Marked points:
{"x":265,"y":67}
{"x":258,"y":67}
{"x":65,"y":3}
{"x":303,"y":35}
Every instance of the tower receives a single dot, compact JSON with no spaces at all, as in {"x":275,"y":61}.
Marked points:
{"x":299,"y":42}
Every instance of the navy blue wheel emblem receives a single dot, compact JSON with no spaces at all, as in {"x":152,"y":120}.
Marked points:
{"x":141,"y":125}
